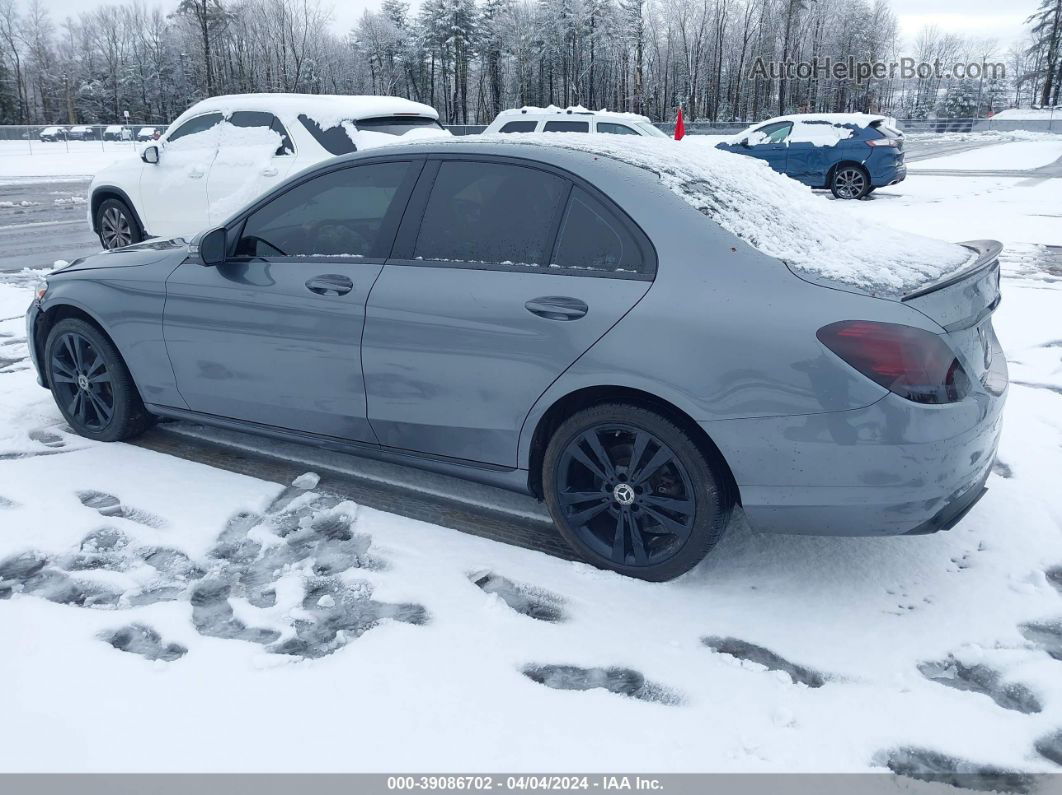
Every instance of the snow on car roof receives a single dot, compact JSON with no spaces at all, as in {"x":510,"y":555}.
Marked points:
{"x":572,"y":110}
{"x":774,"y":214}
{"x":821,"y":129}
{"x":328,"y":110}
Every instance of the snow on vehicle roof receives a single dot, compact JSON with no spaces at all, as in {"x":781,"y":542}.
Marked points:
{"x":774,"y":214}
{"x":572,"y":110}
{"x":821,"y":129}
{"x":328,"y":110}
{"x":113,"y":127}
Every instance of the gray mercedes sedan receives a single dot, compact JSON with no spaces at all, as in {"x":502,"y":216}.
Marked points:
{"x":646,"y":335}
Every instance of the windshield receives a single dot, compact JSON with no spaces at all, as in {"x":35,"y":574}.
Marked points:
{"x":649,"y":129}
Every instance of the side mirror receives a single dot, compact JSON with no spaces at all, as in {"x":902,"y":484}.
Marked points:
{"x":212,"y":247}
{"x":744,"y":142}
{"x":150,"y":155}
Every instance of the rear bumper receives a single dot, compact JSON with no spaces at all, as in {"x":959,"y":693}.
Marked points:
{"x":890,"y":176}
{"x":892,"y":468}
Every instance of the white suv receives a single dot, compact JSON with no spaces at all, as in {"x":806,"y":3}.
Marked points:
{"x":576,"y":119}
{"x":225,"y":151}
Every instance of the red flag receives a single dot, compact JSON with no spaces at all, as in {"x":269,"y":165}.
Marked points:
{"x":680,"y":126}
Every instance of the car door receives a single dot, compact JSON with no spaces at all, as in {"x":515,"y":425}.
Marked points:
{"x":272,"y":335}
{"x":255,"y":153}
{"x":478,"y":311}
{"x":173,"y":192}
{"x":769,"y":143}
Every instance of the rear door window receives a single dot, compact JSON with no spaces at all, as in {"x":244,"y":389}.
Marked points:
{"x":339,"y":214}
{"x":491,"y":213}
{"x":567,"y":126}
{"x":267,"y":121}
{"x":593,"y":238}
{"x":518,"y":127}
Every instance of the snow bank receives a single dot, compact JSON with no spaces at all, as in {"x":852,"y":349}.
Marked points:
{"x":1029,"y":114}
{"x":775,"y":214}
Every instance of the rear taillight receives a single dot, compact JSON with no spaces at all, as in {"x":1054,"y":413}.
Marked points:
{"x":915,"y":364}
{"x":883,"y":142}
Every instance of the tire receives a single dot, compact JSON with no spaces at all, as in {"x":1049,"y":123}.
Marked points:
{"x":117,"y":225}
{"x":91,"y":384}
{"x":669,"y":472}
{"x":850,"y":182}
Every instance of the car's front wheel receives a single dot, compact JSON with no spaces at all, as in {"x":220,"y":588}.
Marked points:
{"x":850,"y":182}
{"x":116,"y":224}
{"x":91,"y":384}
{"x":631,"y":491}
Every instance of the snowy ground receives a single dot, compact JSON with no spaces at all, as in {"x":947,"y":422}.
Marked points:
{"x":22,"y":159}
{"x":164,"y":615}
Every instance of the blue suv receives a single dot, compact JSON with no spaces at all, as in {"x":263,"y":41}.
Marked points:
{"x":849,"y":153}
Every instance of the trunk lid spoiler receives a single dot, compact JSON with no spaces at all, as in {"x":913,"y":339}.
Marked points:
{"x":986,"y":253}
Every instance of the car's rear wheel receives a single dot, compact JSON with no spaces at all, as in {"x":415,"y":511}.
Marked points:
{"x":116,"y":224}
{"x":91,"y":384}
{"x":631,"y":491}
{"x":850,"y":182}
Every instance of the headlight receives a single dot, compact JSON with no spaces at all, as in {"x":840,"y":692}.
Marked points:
{"x":42,"y":288}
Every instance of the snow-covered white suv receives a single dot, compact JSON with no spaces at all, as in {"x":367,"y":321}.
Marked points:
{"x":225,"y":151}
{"x":576,"y":119}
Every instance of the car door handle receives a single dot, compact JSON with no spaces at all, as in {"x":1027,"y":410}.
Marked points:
{"x":557,"y":307}
{"x":269,"y":171}
{"x":195,"y":173}
{"x":329,"y":284}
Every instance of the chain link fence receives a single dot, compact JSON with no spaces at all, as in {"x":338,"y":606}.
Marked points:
{"x":49,"y":139}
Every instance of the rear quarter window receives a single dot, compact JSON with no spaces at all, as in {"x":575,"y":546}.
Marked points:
{"x":335,"y":140}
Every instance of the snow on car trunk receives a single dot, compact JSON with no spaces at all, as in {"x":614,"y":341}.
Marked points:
{"x":778,"y":215}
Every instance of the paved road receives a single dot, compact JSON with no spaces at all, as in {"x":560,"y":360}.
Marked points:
{"x":42,"y":221}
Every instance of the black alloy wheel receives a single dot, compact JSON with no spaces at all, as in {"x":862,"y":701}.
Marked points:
{"x":91,"y":384}
{"x":632,"y":492}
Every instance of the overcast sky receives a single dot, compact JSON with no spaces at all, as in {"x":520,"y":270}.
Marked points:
{"x":981,"y":18}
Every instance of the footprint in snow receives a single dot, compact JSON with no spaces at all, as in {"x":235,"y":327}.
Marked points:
{"x":1050,"y":747}
{"x":143,"y":640}
{"x":110,"y":506}
{"x":744,"y":650}
{"x":1046,"y":635}
{"x":924,"y":764}
{"x":302,"y":534}
{"x":981,"y":679}
{"x":622,"y":681}
{"x":6,"y":503}
{"x":47,"y":438}
{"x":527,"y":600}
{"x":1054,"y":576}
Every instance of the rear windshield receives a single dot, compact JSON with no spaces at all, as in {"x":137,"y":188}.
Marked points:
{"x":337,"y":141}
{"x":396,"y":125}
{"x":887,"y":132}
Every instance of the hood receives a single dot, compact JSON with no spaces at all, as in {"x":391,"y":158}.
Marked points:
{"x":129,"y":257}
